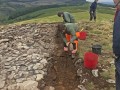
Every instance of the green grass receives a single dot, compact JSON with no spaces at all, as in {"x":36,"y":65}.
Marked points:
{"x":81,"y":13}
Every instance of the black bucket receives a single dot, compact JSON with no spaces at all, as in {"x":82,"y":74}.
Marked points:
{"x":96,"y":49}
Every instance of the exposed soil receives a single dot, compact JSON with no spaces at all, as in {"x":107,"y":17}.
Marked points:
{"x":62,"y":73}
{"x":61,"y":70}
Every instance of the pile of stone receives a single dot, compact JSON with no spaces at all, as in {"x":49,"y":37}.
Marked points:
{"x":25,"y":52}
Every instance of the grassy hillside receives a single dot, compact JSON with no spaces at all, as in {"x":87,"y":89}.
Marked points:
{"x":8,"y":7}
{"x":79,"y":12}
{"x":99,"y":32}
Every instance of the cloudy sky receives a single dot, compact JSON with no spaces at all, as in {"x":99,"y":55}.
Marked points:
{"x":101,"y":0}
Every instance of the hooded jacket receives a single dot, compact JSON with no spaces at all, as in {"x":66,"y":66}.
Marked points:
{"x":68,"y":18}
{"x":71,"y":29}
{"x":93,"y":6}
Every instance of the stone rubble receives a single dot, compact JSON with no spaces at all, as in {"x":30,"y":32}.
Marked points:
{"x":25,"y":51}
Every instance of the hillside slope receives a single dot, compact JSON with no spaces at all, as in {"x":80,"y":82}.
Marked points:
{"x":32,"y":55}
{"x":7,"y":7}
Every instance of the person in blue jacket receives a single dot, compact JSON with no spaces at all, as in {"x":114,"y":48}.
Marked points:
{"x":116,"y":43}
{"x":93,"y":10}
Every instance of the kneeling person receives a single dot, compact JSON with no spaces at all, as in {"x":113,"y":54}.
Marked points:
{"x":68,"y":34}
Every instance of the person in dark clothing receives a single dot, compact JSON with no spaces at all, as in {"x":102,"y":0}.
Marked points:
{"x":93,"y":10}
{"x":67,"y":17}
{"x":116,"y":43}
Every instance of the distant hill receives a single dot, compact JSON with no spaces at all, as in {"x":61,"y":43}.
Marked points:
{"x":7,"y":7}
{"x":108,"y":3}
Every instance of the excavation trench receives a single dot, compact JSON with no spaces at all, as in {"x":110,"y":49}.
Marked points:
{"x":65,"y":73}
{"x":29,"y":52}
{"x":62,"y":72}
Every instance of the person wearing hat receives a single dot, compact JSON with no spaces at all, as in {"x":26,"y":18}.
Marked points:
{"x":116,"y":42}
{"x":93,"y":10}
{"x":67,"y":17}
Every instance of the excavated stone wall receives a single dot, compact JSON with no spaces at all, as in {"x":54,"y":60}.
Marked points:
{"x":25,"y":52}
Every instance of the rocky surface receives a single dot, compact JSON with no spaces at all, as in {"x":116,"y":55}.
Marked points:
{"x":32,"y":58}
{"x":25,"y":52}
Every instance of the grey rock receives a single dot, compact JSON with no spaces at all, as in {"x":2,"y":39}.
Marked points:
{"x":7,"y":67}
{"x":31,"y":51}
{"x":81,"y":87}
{"x":11,"y":76}
{"x":23,"y":73}
{"x":33,"y":77}
{"x":9,"y":59}
{"x":4,"y":40}
{"x":30,"y":85}
{"x":23,"y":68}
{"x":41,"y":42}
{"x":5,"y":88}
{"x":84,"y":80}
{"x":30,"y":67}
{"x":35,"y":56}
{"x":39,"y":77}
{"x":22,"y":46}
{"x":38,"y":66}
{"x":29,"y":57}
{"x":7,"y":63}
{"x":16,"y":52}
{"x":78,"y":63}
{"x":4,"y":71}
{"x":2,"y":77}
{"x":20,"y":63}
{"x":46,"y":55}
{"x":12,"y":87}
{"x":31,"y":72}
{"x":79,"y":72}
{"x":44,"y":62}
{"x":17,"y":76}
{"x":49,"y":88}
{"x":2,"y":84}
{"x":24,"y":55}
{"x":13,"y":68}
{"x":39,"y":72}
{"x":110,"y":81}
{"x":35,"y":61}
{"x":20,"y":80}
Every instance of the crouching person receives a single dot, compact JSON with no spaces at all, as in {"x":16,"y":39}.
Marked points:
{"x":68,"y":33}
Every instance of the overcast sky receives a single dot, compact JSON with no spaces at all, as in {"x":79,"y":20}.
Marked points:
{"x":101,"y":0}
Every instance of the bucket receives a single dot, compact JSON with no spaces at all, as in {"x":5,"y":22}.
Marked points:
{"x":96,"y":49}
{"x":81,"y":35}
{"x":90,"y":60}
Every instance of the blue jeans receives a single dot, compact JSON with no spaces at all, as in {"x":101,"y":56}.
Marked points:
{"x":117,"y":72}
